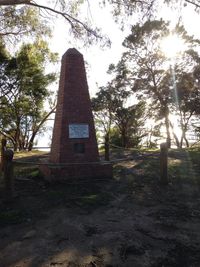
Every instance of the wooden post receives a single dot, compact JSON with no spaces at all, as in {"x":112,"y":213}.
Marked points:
{"x":8,"y":174}
{"x":3,"y":148}
{"x":164,"y":163}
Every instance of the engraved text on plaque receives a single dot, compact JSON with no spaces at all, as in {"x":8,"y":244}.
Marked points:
{"x":78,"y":130}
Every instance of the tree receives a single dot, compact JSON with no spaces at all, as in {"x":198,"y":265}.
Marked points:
{"x":104,"y":105}
{"x":147,"y":7}
{"x":19,"y":22}
{"x":153,"y":135}
{"x":102,"y":108}
{"x":19,"y":17}
{"x":147,"y":64}
{"x":130,"y":122}
{"x":4,"y":59}
{"x":108,"y":99}
{"x":22,"y":109}
{"x":27,"y":16}
{"x":150,"y":75}
{"x":110,"y":111}
{"x":188,"y":92}
{"x":194,"y":3}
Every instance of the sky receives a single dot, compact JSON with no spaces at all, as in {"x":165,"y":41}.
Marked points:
{"x":98,"y":59}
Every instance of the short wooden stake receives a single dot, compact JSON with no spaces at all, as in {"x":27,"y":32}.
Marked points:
{"x":164,"y":164}
{"x":8,"y":174}
{"x":3,"y":149}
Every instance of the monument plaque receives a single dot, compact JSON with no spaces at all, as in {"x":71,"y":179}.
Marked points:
{"x":74,"y":151}
{"x":78,"y":131}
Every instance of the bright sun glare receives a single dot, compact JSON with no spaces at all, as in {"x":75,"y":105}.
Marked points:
{"x":172,"y":45}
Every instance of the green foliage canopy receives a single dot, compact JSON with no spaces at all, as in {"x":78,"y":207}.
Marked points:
{"x":26,"y":17}
{"x":153,"y":77}
{"x":25,"y":83}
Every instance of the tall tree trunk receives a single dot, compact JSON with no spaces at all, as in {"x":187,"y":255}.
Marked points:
{"x":31,"y":141}
{"x":181,"y":142}
{"x":37,"y":128}
{"x":184,"y":126}
{"x":175,"y":136}
{"x":107,"y":146}
{"x":124,"y":139}
{"x":186,"y":141}
{"x":183,"y":137}
{"x":15,"y":146}
{"x":167,"y":125}
{"x":176,"y":139}
{"x":149,"y":138}
{"x":17,"y":136}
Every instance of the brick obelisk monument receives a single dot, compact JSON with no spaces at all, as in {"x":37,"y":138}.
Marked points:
{"x":74,"y":150}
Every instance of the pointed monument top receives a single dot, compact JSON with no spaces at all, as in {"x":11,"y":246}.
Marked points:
{"x":72,"y":51}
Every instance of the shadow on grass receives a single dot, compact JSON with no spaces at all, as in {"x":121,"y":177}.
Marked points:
{"x":120,"y":233}
{"x":184,"y":166}
{"x":35,"y":198}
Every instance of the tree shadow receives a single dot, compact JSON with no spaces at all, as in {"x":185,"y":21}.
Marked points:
{"x":121,"y":222}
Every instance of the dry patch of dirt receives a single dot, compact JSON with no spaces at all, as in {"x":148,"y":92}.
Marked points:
{"x":128,"y":221}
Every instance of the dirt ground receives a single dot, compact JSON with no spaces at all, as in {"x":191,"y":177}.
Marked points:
{"x":130,"y":220}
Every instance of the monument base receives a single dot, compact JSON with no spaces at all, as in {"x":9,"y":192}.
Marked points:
{"x":62,"y":172}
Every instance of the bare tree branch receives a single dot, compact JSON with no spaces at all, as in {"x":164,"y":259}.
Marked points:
{"x":45,"y":118}
{"x":11,"y":33}
{"x":69,"y":18}
{"x":66,"y":16}
{"x":13,"y":2}
{"x":193,"y":3}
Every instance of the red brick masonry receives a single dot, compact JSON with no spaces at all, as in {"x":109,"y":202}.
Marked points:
{"x":73,"y":171}
{"x":73,"y":107}
{"x":74,"y":157}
